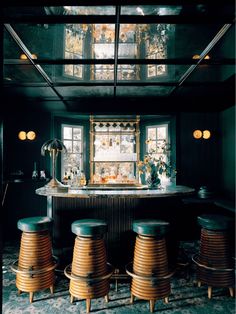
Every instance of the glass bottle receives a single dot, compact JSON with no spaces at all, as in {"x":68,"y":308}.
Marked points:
{"x":35,"y":172}
{"x":82,"y":179}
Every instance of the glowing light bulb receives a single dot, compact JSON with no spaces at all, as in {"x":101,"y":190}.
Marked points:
{"x":197,"y":134}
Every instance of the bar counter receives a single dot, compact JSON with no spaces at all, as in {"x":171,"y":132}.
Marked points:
{"x":119,"y":208}
{"x":85,"y":192}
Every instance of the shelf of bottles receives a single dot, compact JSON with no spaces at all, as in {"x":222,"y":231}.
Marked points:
{"x":114,"y":151}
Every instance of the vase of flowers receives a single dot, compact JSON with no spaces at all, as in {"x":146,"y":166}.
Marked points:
{"x":156,"y":164}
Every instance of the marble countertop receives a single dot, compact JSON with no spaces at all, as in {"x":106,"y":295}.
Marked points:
{"x":169,"y":191}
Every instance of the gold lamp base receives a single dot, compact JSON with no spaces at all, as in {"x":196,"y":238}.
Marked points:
{"x":54,"y":184}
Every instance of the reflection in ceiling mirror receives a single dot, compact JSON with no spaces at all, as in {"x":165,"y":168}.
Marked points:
{"x":24,"y":57}
{"x":89,"y":10}
{"x":150,"y":10}
{"x":151,"y":41}
{"x":196,"y":57}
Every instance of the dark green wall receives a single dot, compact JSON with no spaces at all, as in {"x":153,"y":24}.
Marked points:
{"x":21,"y":155}
{"x":227,"y":152}
{"x":20,"y":198}
{"x":198,"y":160}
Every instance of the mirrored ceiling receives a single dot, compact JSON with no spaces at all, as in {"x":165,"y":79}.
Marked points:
{"x":118,"y":50}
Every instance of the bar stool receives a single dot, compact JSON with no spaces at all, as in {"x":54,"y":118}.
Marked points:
{"x":149,"y":271}
{"x":89,"y":272}
{"x":35,"y":267}
{"x":214,"y":261}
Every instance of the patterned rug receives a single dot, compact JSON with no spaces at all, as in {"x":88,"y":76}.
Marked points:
{"x":185,"y":297}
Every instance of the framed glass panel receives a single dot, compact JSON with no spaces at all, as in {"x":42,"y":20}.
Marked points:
{"x":115,"y":151}
{"x":72,"y":161}
{"x":114,"y":172}
{"x":157,"y":140}
{"x":74,"y":41}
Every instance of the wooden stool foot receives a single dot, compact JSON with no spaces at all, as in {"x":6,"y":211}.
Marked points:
{"x":231,"y":291}
{"x":31,"y":296}
{"x":19,"y":292}
{"x":166,"y":300}
{"x":52,"y":289}
{"x":88,"y":305}
{"x":107,"y":298}
{"x":71,"y":298}
{"x":132,"y":298}
{"x":209,"y":292}
{"x":152,"y":305}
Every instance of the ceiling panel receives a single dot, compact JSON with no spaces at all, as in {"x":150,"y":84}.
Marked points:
{"x":149,"y":91}
{"x":70,"y":92}
{"x":207,"y":73}
{"x":22,"y":74}
{"x":82,"y":52}
{"x":43,"y":93}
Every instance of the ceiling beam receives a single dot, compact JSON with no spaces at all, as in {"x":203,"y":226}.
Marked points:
{"x":109,"y":3}
{"x":124,"y":19}
{"x":209,"y":47}
{"x":174,"y":61}
{"x":116,"y":48}
{"x":119,"y":83}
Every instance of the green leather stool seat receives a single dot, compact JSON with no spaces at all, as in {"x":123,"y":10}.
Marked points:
{"x":34,"y":224}
{"x":89,"y":227}
{"x":215,"y":222}
{"x":147,"y":227}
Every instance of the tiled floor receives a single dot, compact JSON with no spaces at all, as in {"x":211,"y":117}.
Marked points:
{"x":185,"y":298}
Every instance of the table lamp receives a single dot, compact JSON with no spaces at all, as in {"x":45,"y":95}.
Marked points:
{"x":53,"y":146}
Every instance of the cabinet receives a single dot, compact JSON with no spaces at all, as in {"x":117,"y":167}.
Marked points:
{"x":114,"y":151}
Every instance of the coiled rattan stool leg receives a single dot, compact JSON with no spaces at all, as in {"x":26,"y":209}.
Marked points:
{"x":149,"y":270}
{"x":35,"y":269}
{"x":150,"y":259}
{"x":214,"y":263}
{"x":89,"y":262}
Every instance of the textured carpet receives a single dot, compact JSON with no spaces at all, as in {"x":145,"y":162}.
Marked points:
{"x":185,"y":298}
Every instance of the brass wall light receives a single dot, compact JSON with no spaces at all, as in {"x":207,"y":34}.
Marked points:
{"x":30,"y":135}
{"x":197,"y":134}
{"x":22,"y":135}
{"x":53,"y":146}
{"x":206,"y":134}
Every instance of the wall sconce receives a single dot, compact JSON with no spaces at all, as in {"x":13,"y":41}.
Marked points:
{"x":206,"y":134}
{"x":197,"y":134}
{"x":22,"y":135}
{"x":30,"y":135}
{"x":53,"y":146}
